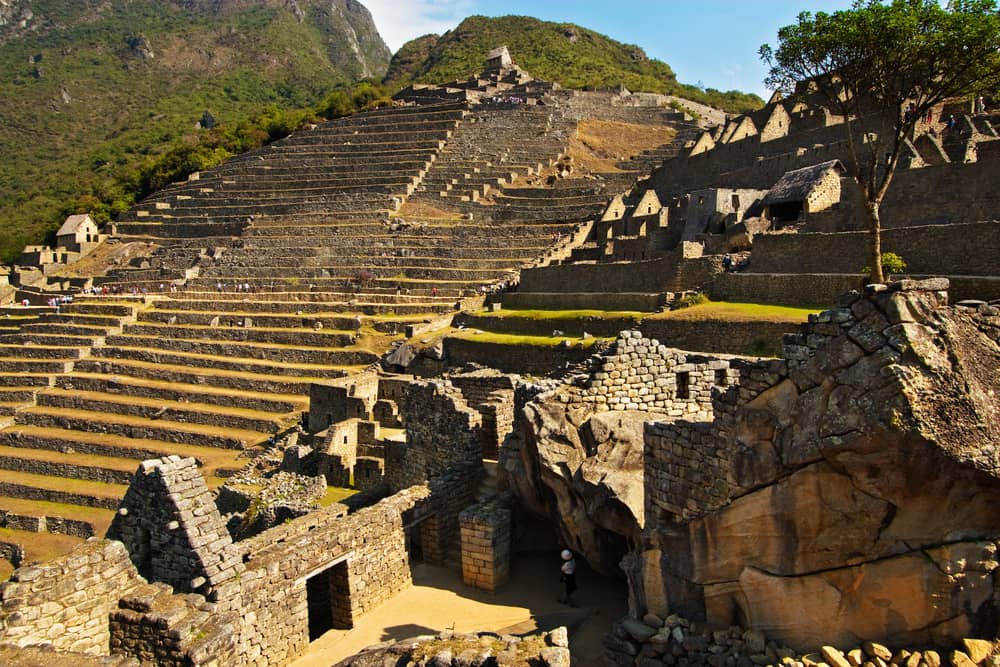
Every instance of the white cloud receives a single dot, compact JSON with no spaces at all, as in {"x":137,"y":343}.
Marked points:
{"x":399,"y":21}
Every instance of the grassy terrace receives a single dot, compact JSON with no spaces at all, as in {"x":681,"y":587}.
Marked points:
{"x":562,"y":314}
{"x":513,"y":339}
{"x":738,"y":312}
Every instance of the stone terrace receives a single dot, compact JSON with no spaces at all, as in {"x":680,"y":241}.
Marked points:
{"x":185,"y":359}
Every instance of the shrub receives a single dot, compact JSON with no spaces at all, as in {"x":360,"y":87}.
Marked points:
{"x":693,"y":299}
{"x":892,"y":264}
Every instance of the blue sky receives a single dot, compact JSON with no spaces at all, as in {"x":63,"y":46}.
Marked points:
{"x":713,"y":42}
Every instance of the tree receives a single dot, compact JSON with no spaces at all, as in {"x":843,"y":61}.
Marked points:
{"x":883,"y":66}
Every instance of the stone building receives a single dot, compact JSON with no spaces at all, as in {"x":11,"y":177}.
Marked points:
{"x":498,"y":60}
{"x":79,"y":233}
{"x":804,"y":191}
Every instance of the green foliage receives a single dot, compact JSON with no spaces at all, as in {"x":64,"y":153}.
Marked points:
{"x":568,"y":54}
{"x":90,"y":125}
{"x":892,"y":264}
{"x":886,"y":57}
{"x":693,"y":299}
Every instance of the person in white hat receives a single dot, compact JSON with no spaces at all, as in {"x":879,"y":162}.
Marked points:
{"x":568,"y":577}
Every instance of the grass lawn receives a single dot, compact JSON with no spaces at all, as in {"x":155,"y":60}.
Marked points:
{"x":738,"y":312}
{"x":562,"y":314}
{"x":334,"y":494}
{"x":533,"y":341}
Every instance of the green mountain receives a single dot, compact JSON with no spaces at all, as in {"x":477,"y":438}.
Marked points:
{"x":95,"y":89}
{"x":562,"y":52}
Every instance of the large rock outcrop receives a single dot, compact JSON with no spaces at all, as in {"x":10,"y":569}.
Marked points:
{"x":576,"y":452}
{"x":859,"y":483}
{"x":845,"y":492}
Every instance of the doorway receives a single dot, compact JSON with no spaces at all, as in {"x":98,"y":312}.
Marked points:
{"x":328,"y":596}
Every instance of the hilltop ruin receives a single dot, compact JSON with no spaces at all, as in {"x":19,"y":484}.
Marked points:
{"x":838,"y":492}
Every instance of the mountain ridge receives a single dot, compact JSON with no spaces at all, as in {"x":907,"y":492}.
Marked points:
{"x":96,"y":88}
{"x":566,"y":53}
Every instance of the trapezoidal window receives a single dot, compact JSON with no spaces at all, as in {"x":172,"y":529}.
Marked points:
{"x":684,"y":385}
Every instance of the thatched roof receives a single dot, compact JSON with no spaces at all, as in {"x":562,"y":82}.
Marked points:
{"x":796,"y":185}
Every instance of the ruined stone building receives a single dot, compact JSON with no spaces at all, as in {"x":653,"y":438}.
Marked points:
{"x":838,"y":491}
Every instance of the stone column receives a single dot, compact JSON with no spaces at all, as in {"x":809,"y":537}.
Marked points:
{"x":485,"y":532}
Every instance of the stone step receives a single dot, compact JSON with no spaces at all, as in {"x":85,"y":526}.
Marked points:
{"x":230,"y":330}
{"x":60,"y":490}
{"x":35,"y":366}
{"x":17,"y":394}
{"x":99,"y":307}
{"x":275,"y":321}
{"x":207,"y":361}
{"x":159,"y":409}
{"x":183,"y":371}
{"x":102,"y":321}
{"x":38,"y":547}
{"x":19,"y":380}
{"x":139,"y":427}
{"x":107,"y":469}
{"x":57,"y":519}
{"x":29,"y":350}
{"x":10,"y":408}
{"x":50,"y":340}
{"x":244,"y":353}
{"x":175,"y":391}
{"x":65,"y":329}
{"x":22,"y":436}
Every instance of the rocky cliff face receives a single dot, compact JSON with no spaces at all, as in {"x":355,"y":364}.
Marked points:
{"x":846,"y":492}
{"x":352,"y":41}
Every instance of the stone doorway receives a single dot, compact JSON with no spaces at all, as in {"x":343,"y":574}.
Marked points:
{"x":328,"y":596}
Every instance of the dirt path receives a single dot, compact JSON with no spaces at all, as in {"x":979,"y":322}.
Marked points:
{"x":439,"y":601}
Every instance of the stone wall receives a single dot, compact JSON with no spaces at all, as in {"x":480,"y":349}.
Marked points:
{"x":757,"y":338}
{"x":841,"y":492}
{"x":441,"y":431}
{"x":66,"y":602}
{"x":807,"y":290}
{"x":521,"y":358}
{"x":956,"y":193}
{"x":962,"y":249}
{"x":174,"y":533}
{"x":670,"y":274}
{"x":648,"y":302}
{"x":492,"y":395}
{"x":485,"y":530}
{"x":337,"y":400}
{"x":641,"y":374}
{"x":361,"y":559}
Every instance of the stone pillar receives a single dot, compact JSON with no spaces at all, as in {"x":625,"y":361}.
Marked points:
{"x":485,"y":545}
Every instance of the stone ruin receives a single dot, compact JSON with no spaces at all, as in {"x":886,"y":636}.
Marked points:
{"x":837,"y":494}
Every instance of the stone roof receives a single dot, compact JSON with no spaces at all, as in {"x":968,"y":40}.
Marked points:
{"x":796,"y":185}
{"x":73,"y":223}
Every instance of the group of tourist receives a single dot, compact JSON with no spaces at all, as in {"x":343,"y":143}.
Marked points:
{"x":60,"y":300}
{"x":244,"y":287}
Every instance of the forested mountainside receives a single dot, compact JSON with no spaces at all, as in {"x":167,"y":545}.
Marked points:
{"x":563,"y":52}
{"x":94,"y":89}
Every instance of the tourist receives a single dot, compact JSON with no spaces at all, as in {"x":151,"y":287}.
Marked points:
{"x":727,"y":262}
{"x":951,"y":122}
{"x":567,"y":575}
{"x":980,"y":105}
